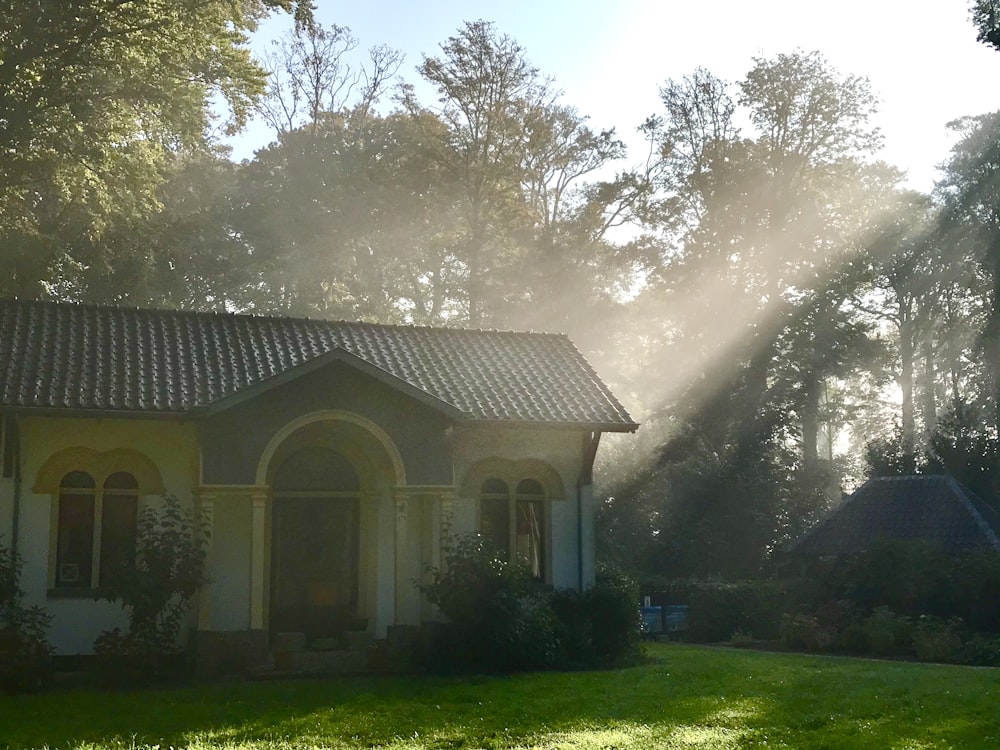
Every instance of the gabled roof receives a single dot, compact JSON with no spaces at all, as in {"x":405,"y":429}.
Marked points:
{"x":59,"y":356}
{"x":936,"y":509}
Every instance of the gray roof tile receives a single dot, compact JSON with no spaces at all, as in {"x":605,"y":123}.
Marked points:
{"x":85,"y":357}
{"x":935,"y":509}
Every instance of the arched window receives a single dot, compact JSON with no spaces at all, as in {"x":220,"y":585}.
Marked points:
{"x":95,"y":535}
{"x":515,"y":522}
{"x":529,"y":530}
{"x":494,"y":514}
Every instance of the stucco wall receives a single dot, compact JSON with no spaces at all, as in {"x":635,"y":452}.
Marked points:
{"x":171,"y":447}
{"x":560,"y":449}
{"x":234,"y":440}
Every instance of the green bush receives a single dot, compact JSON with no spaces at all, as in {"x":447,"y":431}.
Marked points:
{"x":25,"y":653}
{"x":888,"y":633}
{"x":500,"y":618}
{"x":936,"y":639}
{"x":156,"y":591}
{"x":805,"y":633}
{"x":717,"y":609}
{"x":980,"y":650}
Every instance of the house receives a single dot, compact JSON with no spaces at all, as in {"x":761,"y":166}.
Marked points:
{"x":331,"y":459}
{"x":929,"y":508}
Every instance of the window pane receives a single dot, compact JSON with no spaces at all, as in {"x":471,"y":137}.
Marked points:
{"x":75,"y":539}
{"x":530,"y":487}
{"x":316,"y":468}
{"x":78,"y":480}
{"x":494,"y":523}
{"x":121,"y":480}
{"x":494,"y":486}
{"x":530,"y":534}
{"x":118,"y":517}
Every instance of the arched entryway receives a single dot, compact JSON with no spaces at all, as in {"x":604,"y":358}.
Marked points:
{"x":315,"y":525}
{"x":331,"y":477}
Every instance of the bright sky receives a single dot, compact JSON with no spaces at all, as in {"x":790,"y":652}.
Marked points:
{"x":610,"y":58}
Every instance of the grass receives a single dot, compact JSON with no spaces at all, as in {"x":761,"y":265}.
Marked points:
{"x":686,"y":697}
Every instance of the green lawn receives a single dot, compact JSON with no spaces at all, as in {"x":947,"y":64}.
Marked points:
{"x":688,"y":697}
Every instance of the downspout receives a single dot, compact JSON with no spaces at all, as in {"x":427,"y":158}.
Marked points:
{"x":590,"y":442}
{"x":12,"y":449}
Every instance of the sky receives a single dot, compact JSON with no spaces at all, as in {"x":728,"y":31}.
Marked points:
{"x":610,"y":59}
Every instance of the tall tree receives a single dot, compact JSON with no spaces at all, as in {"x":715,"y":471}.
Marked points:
{"x":970,"y":223}
{"x":93,"y":95}
{"x":485,"y":86}
{"x":310,"y":74}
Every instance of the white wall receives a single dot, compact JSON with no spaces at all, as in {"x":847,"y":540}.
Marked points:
{"x":562,"y":450}
{"x":169,"y":444}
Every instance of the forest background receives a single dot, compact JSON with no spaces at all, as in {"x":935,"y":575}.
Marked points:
{"x":770,"y":299}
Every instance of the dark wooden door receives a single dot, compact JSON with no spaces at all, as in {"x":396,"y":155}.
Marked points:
{"x":314,"y":565}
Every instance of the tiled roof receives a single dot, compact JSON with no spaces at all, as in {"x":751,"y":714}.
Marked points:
{"x":84,"y":357}
{"x":936,"y":509}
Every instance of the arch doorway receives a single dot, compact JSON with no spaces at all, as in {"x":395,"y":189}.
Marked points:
{"x":315,"y":539}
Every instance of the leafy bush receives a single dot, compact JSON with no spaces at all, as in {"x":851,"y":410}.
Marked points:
{"x":717,"y":609}
{"x":157,"y":590}
{"x":500,"y":618}
{"x":805,"y":633}
{"x":980,"y":650}
{"x":888,"y":633}
{"x":936,"y":639}
{"x":25,"y":653}
{"x":611,"y":609}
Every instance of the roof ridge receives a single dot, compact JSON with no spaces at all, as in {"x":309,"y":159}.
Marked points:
{"x":236,"y":314}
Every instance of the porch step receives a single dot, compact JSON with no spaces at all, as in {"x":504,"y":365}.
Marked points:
{"x":291,"y":655}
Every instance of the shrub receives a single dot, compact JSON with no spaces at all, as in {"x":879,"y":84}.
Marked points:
{"x":25,"y":653}
{"x":804,"y":632}
{"x":612,"y":608}
{"x":500,"y":618}
{"x":980,"y":650}
{"x":157,"y":590}
{"x":935,"y":639}
{"x":716,"y":609}
{"x":888,"y":634}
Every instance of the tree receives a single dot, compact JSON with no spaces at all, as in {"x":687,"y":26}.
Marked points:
{"x":485,"y":86}
{"x":759,"y":232}
{"x":970,"y":223}
{"x":986,"y":18}
{"x":93,"y":95}
{"x":309,"y":75}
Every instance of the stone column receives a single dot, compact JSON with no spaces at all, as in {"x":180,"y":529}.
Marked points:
{"x":258,"y":548}
{"x":206,"y":505}
{"x":403,"y":580}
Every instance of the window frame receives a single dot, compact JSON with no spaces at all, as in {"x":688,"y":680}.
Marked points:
{"x":99,"y":490}
{"x":514,"y":498}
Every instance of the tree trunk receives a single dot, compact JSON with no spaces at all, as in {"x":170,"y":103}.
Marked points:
{"x":906,"y":357}
{"x":928,"y":396}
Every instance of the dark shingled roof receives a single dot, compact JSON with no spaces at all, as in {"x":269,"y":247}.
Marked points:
{"x":83,"y":357}
{"x":936,"y":509}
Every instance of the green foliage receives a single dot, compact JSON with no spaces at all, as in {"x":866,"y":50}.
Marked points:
{"x":805,"y":633}
{"x":157,"y":591}
{"x":717,"y":608}
{"x":25,"y":654}
{"x":502,"y":619}
{"x":94,"y":95}
{"x":888,"y":633}
{"x":936,"y":639}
